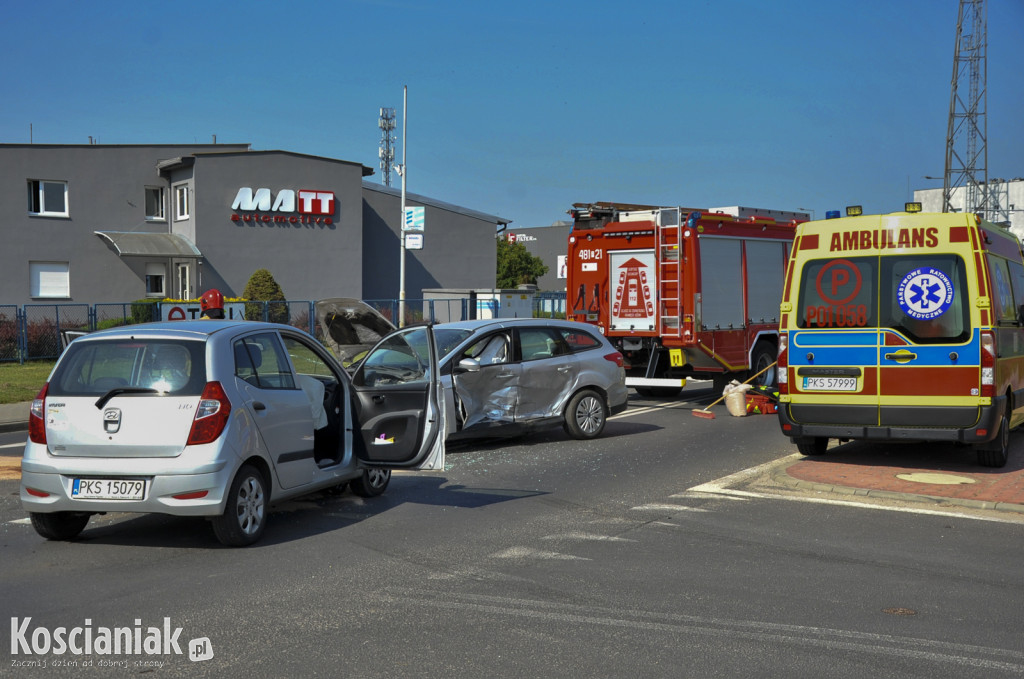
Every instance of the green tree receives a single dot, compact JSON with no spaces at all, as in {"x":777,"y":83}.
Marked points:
{"x":517,"y":266}
{"x":262,"y":287}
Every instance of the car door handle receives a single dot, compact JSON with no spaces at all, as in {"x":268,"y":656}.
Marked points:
{"x":378,"y":398}
{"x":901,"y":356}
{"x":564,"y":368}
{"x":258,"y":405}
{"x":505,"y":375}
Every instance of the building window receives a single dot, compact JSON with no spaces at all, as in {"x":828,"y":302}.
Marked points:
{"x":181,"y":206}
{"x":184,"y":282}
{"x":49,"y":279}
{"x":47,"y":198}
{"x":155,"y":276}
{"x":155,"y":203}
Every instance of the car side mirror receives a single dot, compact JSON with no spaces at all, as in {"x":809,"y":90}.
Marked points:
{"x":468,"y":365}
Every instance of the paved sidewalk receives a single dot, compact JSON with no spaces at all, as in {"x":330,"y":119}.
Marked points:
{"x":942,"y":474}
{"x":14,"y":416}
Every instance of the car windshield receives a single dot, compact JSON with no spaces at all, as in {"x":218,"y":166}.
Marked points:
{"x":93,"y":368}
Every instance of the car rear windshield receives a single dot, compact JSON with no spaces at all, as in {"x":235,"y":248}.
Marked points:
{"x":922,"y":297}
{"x":93,"y":368}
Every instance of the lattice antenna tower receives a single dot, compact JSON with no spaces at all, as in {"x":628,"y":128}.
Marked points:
{"x":387,"y":143}
{"x":967,"y":132}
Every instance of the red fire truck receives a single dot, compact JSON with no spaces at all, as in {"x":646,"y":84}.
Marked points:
{"x":680,"y":292}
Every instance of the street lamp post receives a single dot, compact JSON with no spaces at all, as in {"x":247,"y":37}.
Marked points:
{"x":401,"y":222}
{"x":808,"y":209}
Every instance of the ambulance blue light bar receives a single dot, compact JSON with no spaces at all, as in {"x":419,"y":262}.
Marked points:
{"x":832,"y":214}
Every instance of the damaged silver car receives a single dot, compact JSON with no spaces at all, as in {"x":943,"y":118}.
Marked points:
{"x":500,"y":376}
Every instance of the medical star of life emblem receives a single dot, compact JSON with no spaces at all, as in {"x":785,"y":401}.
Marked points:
{"x":925,"y":293}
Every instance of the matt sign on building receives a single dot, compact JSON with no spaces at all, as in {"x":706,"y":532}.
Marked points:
{"x":305,"y":206}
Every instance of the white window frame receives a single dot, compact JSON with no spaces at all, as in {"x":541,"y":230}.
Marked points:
{"x":37,"y":195}
{"x":156,"y":270}
{"x":184,"y":280}
{"x":161,"y":204}
{"x":49,"y":280}
{"x":182,"y":206}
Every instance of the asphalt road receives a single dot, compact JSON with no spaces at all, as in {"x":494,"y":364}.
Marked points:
{"x":543,"y":557}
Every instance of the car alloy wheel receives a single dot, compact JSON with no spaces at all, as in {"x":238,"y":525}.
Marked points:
{"x":245,"y":514}
{"x":585,"y":415}
{"x":372,"y":483}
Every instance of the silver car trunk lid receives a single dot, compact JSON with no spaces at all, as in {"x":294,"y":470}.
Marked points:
{"x":128,"y":425}
{"x":124,"y":397}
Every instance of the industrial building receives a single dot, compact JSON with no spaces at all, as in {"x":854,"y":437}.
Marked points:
{"x":113,"y":223}
{"x":1008,"y":195}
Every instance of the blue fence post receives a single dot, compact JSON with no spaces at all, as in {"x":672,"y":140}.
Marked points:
{"x":21,"y":328}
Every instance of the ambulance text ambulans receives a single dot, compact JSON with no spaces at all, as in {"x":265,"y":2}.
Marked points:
{"x":905,"y":326}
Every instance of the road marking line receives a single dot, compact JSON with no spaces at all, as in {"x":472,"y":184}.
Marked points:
{"x":702,"y":494}
{"x":21,"y":522}
{"x":586,"y":536}
{"x":13,"y":445}
{"x":669,"y":508}
{"x":649,"y":409}
{"x":530,"y":553}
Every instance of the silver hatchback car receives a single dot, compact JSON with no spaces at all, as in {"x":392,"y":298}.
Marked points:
{"x":500,"y":376}
{"x":221,"y":418}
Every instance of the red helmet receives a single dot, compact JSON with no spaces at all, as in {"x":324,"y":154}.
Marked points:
{"x":211,"y":300}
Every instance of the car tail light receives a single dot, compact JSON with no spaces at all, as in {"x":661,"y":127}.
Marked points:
{"x":615,"y":357}
{"x":211,"y":415}
{"x":37,"y":417}
{"x":782,"y":366}
{"x":988,"y":363}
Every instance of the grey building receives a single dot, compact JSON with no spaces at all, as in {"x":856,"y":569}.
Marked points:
{"x":114,"y":223}
{"x":550,"y":243}
{"x":1009,"y":196}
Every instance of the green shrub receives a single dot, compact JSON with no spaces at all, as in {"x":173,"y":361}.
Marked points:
{"x":144,"y":310}
{"x":263,"y":288}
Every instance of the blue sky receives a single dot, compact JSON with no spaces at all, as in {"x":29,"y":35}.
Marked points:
{"x":521,"y":109}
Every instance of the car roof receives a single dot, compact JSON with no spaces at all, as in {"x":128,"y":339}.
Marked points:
{"x":477,"y":324}
{"x":198,"y":330}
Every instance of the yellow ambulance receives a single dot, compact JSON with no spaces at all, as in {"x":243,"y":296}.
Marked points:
{"x":906,"y":326}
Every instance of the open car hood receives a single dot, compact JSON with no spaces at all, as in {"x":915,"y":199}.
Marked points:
{"x":350,"y":328}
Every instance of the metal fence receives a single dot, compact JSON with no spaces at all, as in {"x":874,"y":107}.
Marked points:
{"x":11,"y":333}
{"x":41,"y":331}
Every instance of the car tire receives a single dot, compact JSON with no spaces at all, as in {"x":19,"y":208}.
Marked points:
{"x":245,"y":515}
{"x":585,"y":415}
{"x":764,"y":355}
{"x":372,"y":483}
{"x":59,"y":525}
{"x":814,"y":447}
{"x":996,"y":452}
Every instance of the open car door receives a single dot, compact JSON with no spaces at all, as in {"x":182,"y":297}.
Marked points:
{"x":397,"y":409}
